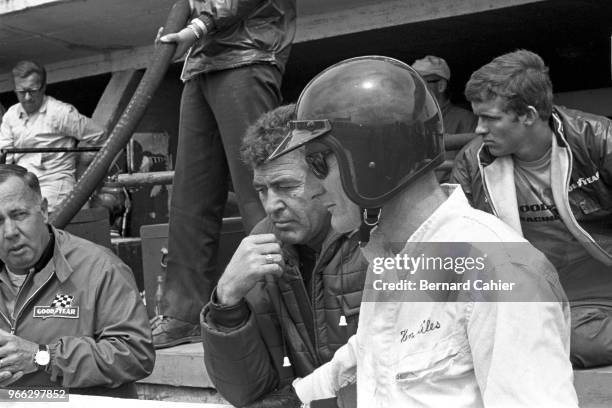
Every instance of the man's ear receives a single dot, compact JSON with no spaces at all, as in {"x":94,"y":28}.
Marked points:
{"x":44,"y":209}
{"x":531,"y":116}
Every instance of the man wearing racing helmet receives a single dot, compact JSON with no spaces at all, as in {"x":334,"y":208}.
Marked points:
{"x":373,"y":137}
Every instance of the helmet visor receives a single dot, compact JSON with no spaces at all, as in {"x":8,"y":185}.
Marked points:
{"x":300,"y":133}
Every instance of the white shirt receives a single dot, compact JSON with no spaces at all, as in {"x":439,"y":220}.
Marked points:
{"x":56,"y":124}
{"x":509,"y":353}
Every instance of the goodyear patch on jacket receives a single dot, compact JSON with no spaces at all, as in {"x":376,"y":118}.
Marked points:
{"x":61,"y":306}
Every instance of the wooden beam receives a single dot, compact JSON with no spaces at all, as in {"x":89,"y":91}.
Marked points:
{"x":116,"y":96}
{"x":357,"y":17}
{"x":113,"y":101}
{"x":14,"y":6}
{"x":321,"y":20}
{"x":136,"y":58}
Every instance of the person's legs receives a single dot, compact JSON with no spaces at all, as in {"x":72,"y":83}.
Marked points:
{"x":227,"y":102}
{"x":55,"y":188}
{"x":199,"y":195}
{"x":238,"y":97}
{"x":591,"y":342}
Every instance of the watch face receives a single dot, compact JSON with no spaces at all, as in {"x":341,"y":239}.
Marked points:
{"x":42,"y":357}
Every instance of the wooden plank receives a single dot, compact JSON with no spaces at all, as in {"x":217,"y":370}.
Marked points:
{"x":321,"y":19}
{"x":116,"y":96}
{"x":136,"y":58}
{"x":13,"y":6}
{"x":374,"y":15}
{"x":113,"y":101}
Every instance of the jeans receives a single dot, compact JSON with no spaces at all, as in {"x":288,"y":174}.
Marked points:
{"x":216,"y":109}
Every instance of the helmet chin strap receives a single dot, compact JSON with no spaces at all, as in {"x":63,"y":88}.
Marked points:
{"x":370,"y":219}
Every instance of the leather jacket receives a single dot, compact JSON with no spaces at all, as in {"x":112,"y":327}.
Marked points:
{"x":581,"y":179}
{"x":241,"y":32}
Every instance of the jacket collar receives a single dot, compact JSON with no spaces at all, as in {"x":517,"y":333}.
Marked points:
{"x":498,"y":175}
{"x":61,"y":267}
{"x":500,"y":190}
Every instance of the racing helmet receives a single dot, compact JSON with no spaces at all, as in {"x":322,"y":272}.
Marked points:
{"x":377,"y":116}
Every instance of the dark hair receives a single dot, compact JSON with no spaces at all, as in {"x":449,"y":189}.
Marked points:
{"x":262,"y":137}
{"x":24,"y":69}
{"x":29,"y":179}
{"x":520,"y":78}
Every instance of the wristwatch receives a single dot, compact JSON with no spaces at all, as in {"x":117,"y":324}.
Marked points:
{"x":42,"y":357}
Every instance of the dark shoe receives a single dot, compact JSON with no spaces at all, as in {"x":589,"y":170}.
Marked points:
{"x":168,"y":332}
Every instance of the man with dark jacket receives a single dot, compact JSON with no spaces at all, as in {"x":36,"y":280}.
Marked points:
{"x":70,"y":312}
{"x":290,"y":296}
{"x":232,"y":75}
{"x":547,"y":172}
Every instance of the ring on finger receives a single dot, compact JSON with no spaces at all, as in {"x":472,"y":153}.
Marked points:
{"x":269,"y":258}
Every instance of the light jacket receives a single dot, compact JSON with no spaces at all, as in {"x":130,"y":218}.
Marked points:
{"x":246,"y":363}
{"x":241,"y":32}
{"x":84,"y":304}
{"x":581,"y":179}
{"x":505,"y":350}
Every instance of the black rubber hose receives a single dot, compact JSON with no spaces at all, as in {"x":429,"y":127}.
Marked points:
{"x":128,"y":121}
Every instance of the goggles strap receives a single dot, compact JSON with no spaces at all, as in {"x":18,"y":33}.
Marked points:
{"x":370,"y":219}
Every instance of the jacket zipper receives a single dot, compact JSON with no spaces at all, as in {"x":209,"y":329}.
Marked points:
{"x":484,"y":184}
{"x":312,"y":312}
{"x":566,"y":202}
{"x":18,"y":314}
{"x":7,"y":320}
{"x":315,"y":274}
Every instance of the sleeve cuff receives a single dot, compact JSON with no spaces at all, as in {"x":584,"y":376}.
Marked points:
{"x":207,"y":21}
{"x":227,"y":318}
{"x":52,"y":368}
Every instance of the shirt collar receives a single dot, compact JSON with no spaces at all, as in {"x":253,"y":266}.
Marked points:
{"x":456,"y":199}
{"x":43,"y":108}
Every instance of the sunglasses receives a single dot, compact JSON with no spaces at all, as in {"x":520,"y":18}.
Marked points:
{"x":317,"y":163}
{"x":32,"y":92}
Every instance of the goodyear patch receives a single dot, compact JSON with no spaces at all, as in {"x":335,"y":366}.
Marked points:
{"x":61,"y":307}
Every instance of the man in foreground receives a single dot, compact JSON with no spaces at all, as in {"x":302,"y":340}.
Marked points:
{"x":70,"y":313}
{"x":547,"y":172}
{"x":290,"y":295}
{"x":414,"y":347}
{"x":39,"y":120}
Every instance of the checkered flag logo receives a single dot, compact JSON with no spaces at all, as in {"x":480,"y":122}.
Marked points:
{"x":62,"y":301}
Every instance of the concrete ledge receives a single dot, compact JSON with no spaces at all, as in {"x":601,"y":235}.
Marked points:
{"x":180,"y":366}
{"x":180,"y":375}
{"x":169,"y":393}
{"x":593,"y":387}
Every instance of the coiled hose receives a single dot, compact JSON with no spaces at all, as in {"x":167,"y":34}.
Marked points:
{"x":128,"y":121}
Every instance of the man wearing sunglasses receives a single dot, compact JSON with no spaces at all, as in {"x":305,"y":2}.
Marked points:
{"x":39,"y":120}
{"x":373,"y":137}
{"x":290,"y":295}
